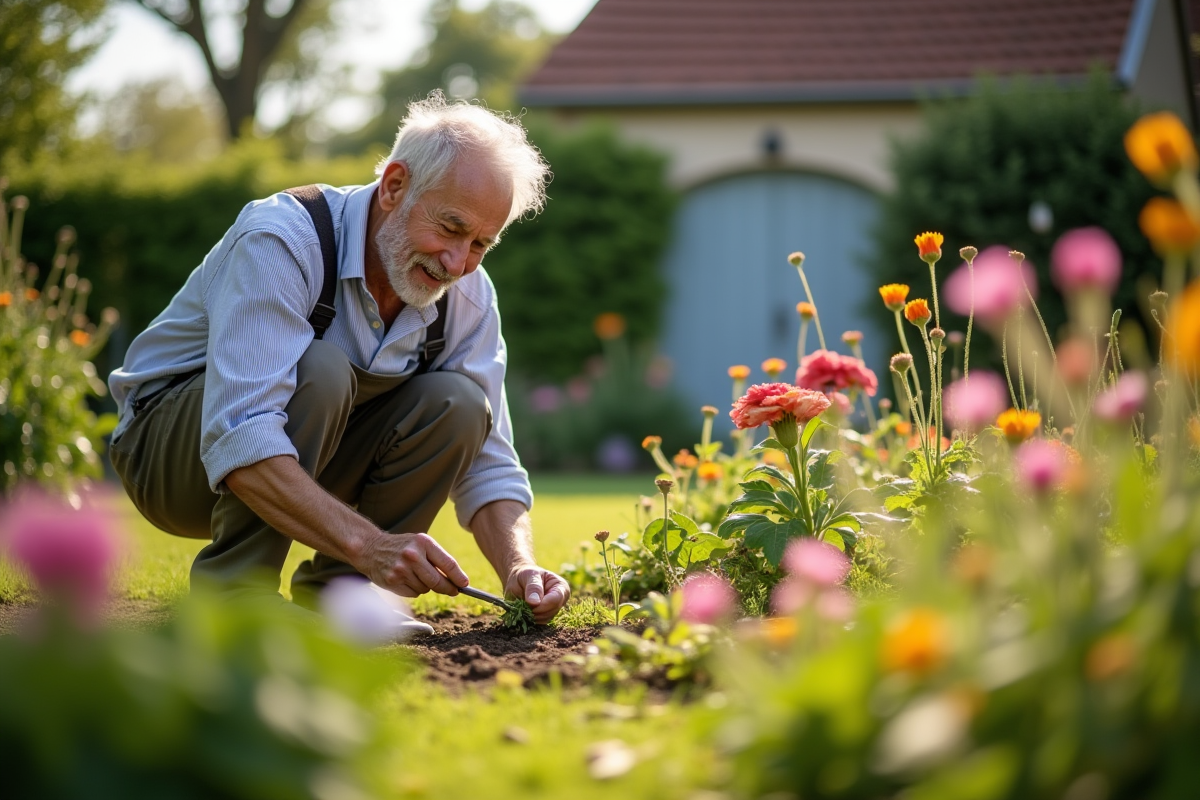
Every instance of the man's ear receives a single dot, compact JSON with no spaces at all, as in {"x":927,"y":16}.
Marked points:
{"x":393,"y":184}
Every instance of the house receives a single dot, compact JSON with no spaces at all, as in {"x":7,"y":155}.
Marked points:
{"x":777,"y":114}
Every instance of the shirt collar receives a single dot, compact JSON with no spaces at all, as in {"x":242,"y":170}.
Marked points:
{"x":352,"y":258}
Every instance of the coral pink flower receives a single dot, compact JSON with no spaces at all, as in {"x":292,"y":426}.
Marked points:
{"x":825,"y":370}
{"x":69,"y":554}
{"x":1123,"y":399}
{"x":998,"y":290}
{"x":707,"y":598}
{"x":1040,"y":465}
{"x":816,"y":562}
{"x":765,"y":403}
{"x":1086,"y":258}
{"x":972,"y":404}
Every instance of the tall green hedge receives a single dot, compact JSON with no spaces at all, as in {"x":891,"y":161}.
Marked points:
{"x":144,"y":227}
{"x":983,"y":161}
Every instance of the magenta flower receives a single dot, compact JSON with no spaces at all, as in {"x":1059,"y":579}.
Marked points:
{"x":69,"y":554}
{"x":816,"y":562}
{"x":974,"y":403}
{"x":707,"y":598}
{"x":1086,"y":258}
{"x":825,"y":370}
{"x":1121,"y":401}
{"x":1040,"y":465}
{"x":999,"y":290}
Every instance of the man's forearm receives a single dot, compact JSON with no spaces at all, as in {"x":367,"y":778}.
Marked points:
{"x":504,"y":534}
{"x":290,"y":501}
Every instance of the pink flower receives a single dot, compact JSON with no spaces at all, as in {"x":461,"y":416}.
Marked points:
{"x":1121,"y":401}
{"x":707,"y":598}
{"x":974,"y":403}
{"x":545,"y":399}
{"x":998,"y":290}
{"x":825,"y":370}
{"x":1040,"y":465}
{"x":69,"y":554}
{"x":766,"y":403}
{"x":1085,"y":258}
{"x":841,"y":403}
{"x":815,"y":562}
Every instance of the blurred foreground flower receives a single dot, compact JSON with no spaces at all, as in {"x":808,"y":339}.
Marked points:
{"x":1040,"y":465}
{"x":916,"y":642}
{"x":707,"y":599}
{"x":1169,"y":227}
{"x":609,"y":325}
{"x":998,"y":288}
{"x":1018,"y":425}
{"x":69,"y":554}
{"x":1086,"y":258}
{"x":368,"y":615}
{"x":1183,"y":325}
{"x":1123,"y":400}
{"x":973,"y":404}
{"x":1160,"y":145}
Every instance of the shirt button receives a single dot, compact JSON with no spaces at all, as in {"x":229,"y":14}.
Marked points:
{"x":375,"y":324}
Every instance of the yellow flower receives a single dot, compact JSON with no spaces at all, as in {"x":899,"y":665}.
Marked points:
{"x":739,"y":372}
{"x":1168,"y":226}
{"x":80,"y":338}
{"x":1160,"y":146}
{"x":774,"y":366}
{"x":929,"y":246}
{"x":1183,"y":325}
{"x":710,"y":471}
{"x":806,"y":310}
{"x":917,"y":312}
{"x":609,"y":325}
{"x":1018,"y":425}
{"x":894,"y":295}
{"x":915,"y":643}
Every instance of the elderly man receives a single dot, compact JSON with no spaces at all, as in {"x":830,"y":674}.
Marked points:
{"x":250,"y":417}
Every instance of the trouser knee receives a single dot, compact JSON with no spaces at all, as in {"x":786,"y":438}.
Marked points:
{"x":321,"y":403}
{"x":452,"y":410}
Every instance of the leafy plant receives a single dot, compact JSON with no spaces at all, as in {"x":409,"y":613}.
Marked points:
{"x":518,"y":615}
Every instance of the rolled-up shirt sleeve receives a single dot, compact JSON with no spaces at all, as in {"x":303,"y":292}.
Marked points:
{"x":257,"y":305}
{"x":496,"y":474}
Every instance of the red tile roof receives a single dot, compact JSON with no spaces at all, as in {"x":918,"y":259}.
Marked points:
{"x":631,"y":51}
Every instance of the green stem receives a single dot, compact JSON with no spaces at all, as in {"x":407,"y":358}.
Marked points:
{"x":801,"y":482}
{"x":1021,"y":357}
{"x":970,"y":324}
{"x":935,"y":415}
{"x":922,"y":432}
{"x":904,"y":344}
{"x":1004,"y":358}
{"x":800,"y":347}
{"x":816,"y":312}
{"x":937,"y":314}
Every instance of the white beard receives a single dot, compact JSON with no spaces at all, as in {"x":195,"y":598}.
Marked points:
{"x":400,"y":263}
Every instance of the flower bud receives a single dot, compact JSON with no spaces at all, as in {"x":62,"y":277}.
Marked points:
{"x":1016,"y":255}
{"x":796,"y":258}
{"x":664,"y":485}
{"x":885,"y":405}
{"x":1158,"y":299}
{"x":20,"y":202}
{"x":66,"y":235}
{"x":852,"y":337}
{"x":902,"y":363}
{"x":968,"y":253}
{"x":708,"y":411}
{"x":601,"y":536}
{"x":937,"y":334}
{"x":651,"y":442}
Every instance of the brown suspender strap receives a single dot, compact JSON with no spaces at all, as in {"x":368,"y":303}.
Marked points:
{"x":318,"y":209}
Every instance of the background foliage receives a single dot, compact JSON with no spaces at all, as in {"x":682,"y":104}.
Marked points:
{"x":982,"y":163}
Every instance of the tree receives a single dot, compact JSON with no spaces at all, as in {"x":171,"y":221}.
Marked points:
{"x":41,"y":41}
{"x":471,"y":54}
{"x":267,"y":26}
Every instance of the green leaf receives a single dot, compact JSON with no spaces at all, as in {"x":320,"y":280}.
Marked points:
{"x":767,"y":469}
{"x":810,"y":430}
{"x":847,"y":521}
{"x":898,"y":501}
{"x":736,"y":523}
{"x":820,"y":469}
{"x":756,"y":486}
{"x":771,"y":537}
{"x":768,"y":444}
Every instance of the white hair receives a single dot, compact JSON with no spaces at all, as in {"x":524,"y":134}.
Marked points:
{"x":436,"y":133}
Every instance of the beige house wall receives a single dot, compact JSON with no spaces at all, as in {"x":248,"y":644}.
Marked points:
{"x":845,"y":141}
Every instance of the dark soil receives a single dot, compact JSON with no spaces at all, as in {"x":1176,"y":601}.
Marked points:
{"x":464,"y":650}
{"x":468,"y":651}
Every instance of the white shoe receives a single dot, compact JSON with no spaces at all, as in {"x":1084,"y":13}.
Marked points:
{"x":369,"y":614}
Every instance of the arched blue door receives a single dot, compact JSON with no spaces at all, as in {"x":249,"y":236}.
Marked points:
{"x":733,"y":295}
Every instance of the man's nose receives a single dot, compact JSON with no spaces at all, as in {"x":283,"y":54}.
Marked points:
{"x":456,"y":258}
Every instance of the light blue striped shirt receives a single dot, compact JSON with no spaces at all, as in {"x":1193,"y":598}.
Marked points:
{"x":244,"y":311}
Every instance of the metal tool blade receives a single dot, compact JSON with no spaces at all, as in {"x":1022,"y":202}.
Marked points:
{"x":486,"y":597}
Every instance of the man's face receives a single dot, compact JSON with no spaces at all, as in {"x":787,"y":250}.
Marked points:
{"x":445,"y":233}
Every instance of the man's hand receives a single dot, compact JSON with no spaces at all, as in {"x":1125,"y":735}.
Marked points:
{"x":411,"y":564}
{"x":542,"y":589}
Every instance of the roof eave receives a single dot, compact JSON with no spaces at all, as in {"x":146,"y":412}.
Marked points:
{"x":625,"y":95}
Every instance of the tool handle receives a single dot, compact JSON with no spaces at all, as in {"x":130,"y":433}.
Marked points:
{"x":487,"y":597}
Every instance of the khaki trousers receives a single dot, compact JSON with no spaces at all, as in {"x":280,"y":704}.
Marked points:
{"x":391,"y":447}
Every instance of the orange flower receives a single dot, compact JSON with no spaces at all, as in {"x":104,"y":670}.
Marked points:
{"x":1018,"y":425}
{"x":609,"y":325}
{"x":774,"y":366}
{"x":915,"y":643}
{"x":652,"y":442}
{"x":929,"y":246}
{"x":5,"y":299}
{"x":32,"y":294}
{"x":710,"y":471}
{"x":80,"y":338}
{"x":1160,"y":146}
{"x":1110,"y":657}
{"x":685,"y":460}
{"x":806,"y":310}
{"x":917,"y":312}
{"x":1168,"y":226}
{"x":1183,"y":325}
{"x":904,"y":428}
{"x":894,"y":295}
{"x":779,"y":631}
{"x":739,"y":372}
